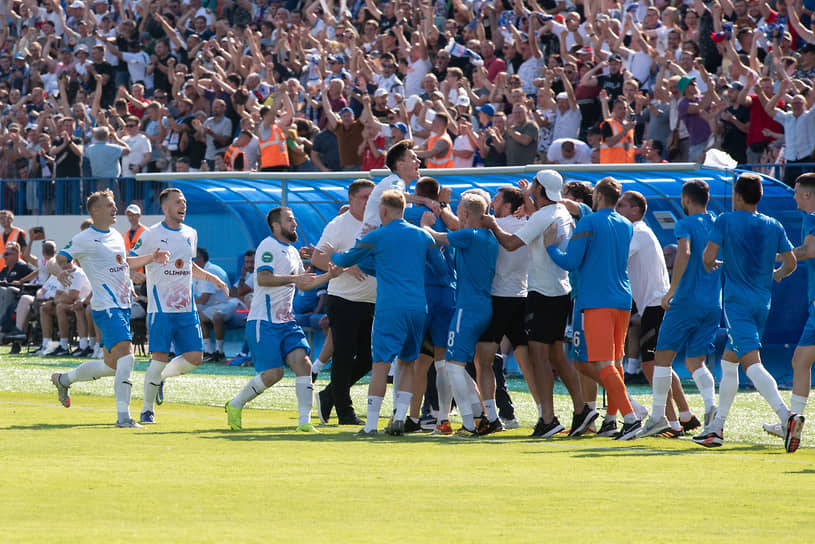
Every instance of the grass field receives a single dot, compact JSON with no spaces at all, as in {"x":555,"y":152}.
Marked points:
{"x":68,"y":475}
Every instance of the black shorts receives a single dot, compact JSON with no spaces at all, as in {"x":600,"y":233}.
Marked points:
{"x":650,"y":320}
{"x":546,"y":317}
{"x":508,"y":315}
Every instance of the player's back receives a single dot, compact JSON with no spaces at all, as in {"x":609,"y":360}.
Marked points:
{"x":413,"y":216}
{"x":749,"y":243}
{"x":698,"y":288}
{"x":603,"y":274}
{"x":476,"y":255}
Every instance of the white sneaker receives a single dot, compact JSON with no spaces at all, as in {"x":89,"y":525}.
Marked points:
{"x":775,"y":429}
{"x":511,"y":423}
{"x":98,"y":353}
{"x":653,"y":427}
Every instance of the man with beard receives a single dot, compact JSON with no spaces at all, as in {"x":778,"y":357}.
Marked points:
{"x":272,"y":333}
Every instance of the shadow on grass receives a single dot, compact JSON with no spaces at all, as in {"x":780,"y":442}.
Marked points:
{"x":802,"y":471}
{"x":58,"y":426}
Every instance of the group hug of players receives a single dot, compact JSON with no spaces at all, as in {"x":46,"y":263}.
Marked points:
{"x":402,"y":266}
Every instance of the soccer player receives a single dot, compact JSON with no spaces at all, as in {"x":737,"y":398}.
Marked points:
{"x":350,"y":305}
{"x":101,"y":252}
{"x":693,"y":310}
{"x":476,"y":254}
{"x":805,"y":351}
{"x":598,"y":248}
{"x":749,"y":242}
{"x":399,"y":252}
{"x":172,"y":317}
{"x":548,"y":305}
{"x":272,"y":333}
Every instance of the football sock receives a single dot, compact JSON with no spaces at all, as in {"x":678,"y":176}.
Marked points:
{"x":305,"y":396}
{"x":83,"y":343}
{"x":444,"y":390}
{"x":798,"y":403}
{"x":152,"y":380}
{"x":402,"y":405}
{"x":675,"y":425}
{"x":207,"y":345}
{"x":397,"y":371}
{"x":765,"y":384}
{"x":87,"y":371}
{"x":459,"y":383}
{"x":374,"y":407}
{"x":251,"y":390}
{"x":728,"y":387}
{"x":122,"y":386}
{"x":685,"y":416}
{"x":540,"y":411}
{"x":661,"y":383}
{"x":219,"y":346}
{"x":492,"y":410}
{"x":177,"y":367}
{"x":615,"y":387}
{"x":63,"y":343}
{"x":706,"y":386}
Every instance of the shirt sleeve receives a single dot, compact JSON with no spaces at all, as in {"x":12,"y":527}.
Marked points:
{"x":264,"y":258}
{"x":74,"y":249}
{"x":461,"y":238}
{"x":533,"y":228}
{"x":572,"y":258}
{"x":362,"y":249}
{"x":784,"y":244}
{"x":717,"y":234}
{"x":681,"y":230}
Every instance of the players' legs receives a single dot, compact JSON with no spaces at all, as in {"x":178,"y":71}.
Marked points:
{"x":404,"y":389}
{"x":483,"y":360}
{"x":660,"y":378}
{"x":764,"y":383}
{"x":219,"y":329}
{"x":23,"y":308}
{"x":300,"y":364}
{"x":63,"y":324}
{"x":463,"y":391}
{"x":605,"y":330}
{"x":802,"y":361}
{"x":420,"y":369}
{"x":376,"y":393}
{"x":121,"y":359}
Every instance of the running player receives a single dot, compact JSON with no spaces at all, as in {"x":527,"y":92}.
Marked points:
{"x":172,"y":317}
{"x":749,"y":242}
{"x":599,"y":250}
{"x":400,"y":251}
{"x":693,"y":310}
{"x":101,"y":252}
{"x":476,"y":254}
{"x":273,"y":335}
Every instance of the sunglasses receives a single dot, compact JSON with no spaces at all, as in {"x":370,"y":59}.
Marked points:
{"x":9,"y":253}
{"x":131,"y":126}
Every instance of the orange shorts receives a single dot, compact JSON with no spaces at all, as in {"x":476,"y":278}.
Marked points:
{"x":604,"y":330}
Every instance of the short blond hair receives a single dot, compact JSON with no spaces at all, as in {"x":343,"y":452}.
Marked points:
{"x":393,"y":199}
{"x":474,"y":204}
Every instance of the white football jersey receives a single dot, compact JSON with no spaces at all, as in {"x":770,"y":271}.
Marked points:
{"x":102,"y":256}
{"x":169,"y":286}
{"x":274,"y":304}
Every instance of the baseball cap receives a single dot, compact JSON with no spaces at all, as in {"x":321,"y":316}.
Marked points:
{"x":614,"y":58}
{"x":81,"y":48}
{"x":735,"y":85}
{"x":401,"y":126}
{"x":346,"y":109}
{"x":562,"y":96}
{"x":134,"y":209}
{"x":19,"y":56}
{"x":683,"y":83}
{"x":78,"y":4}
{"x":489,"y":109}
{"x":463,"y":100}
{"x":552,"y":184}
{"x":381,"y":92}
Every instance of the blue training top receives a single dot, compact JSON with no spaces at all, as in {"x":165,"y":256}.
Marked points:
{"x":807,"y":228}
{"x":448,"y":279}
{"x":400,"y":251}
{"x":698,"y":288}
{"x":476,"y":254}
{"x":748,"y":242}
{"x":599,"y":250}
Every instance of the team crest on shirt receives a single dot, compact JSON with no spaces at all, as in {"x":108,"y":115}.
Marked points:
{"x":179,"y":263}
{"x":70,"y":243}
{"x":119,"y":259}
{"x":189,"y":241}
{"x":267,"y":257}
{"x":138,"y":244}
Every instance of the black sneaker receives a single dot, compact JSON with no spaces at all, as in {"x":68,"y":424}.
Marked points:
{"x":207,"y":357}
{"x":547,"y":430}
{"x":608,"y":428}
{"x":490,"y":427}
{"x":691,"y":424}
{"x":629,"y":431}
{"x":79,"y":352}
{"x":59,"y":352}
{"x":427,"y":423}
{"x":15,"y":348}
{"x":671,"y":433}
{"x":581,"y":421}
{"x":355,"y":420}
{"x":412,"y":426}
{"x":324,"y":406}
{"x":396,"y":428}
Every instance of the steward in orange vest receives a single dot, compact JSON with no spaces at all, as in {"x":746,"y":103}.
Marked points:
{"x":12,"y":234}
{"x":439,"y":153}
{"x":235,"y":157}
{"x":618,"y":146}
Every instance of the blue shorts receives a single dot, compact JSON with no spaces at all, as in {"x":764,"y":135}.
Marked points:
{"x":693,"y":329}
{"x":270,"y":343}
{"x":397,"y":334}
{"x":466,"y":328}
{"x":441,"y":305}
{"x":183,"y":329}
{"x":114,"y":324}
{"x":745,"y":325}
{"x":578,"y":351}
{"x":808,"y":334}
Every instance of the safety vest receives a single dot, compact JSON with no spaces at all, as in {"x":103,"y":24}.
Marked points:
{"x":13,"y":236}
{"x":623,"y":152}
{"x":232,"y":153}
{"x":440,"y":162}
{"x":130,"y":242}
{"x":273,"y":151}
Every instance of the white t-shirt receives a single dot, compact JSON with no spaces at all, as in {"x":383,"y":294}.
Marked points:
{"x":169,"y":287}
{"x":274,"y":304}
{"x":137,"y":64}
{"x":646,"y":268}
{"x":340,"y":234}
{"x":79,"y":283}
{"x":415,"y":73}
{"x":199,"y":287}
{"x":371,"y":217}
{"x":511,"y":266}
{"x":462,"y":143}
{"x":582,"y":152}
{"x":102,"y":256}
{"x":139,"y":145}
{"x":545,"y":277}
{"x":567,"y":125}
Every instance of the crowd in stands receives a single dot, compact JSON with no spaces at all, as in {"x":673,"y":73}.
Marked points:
{"x":113,"y":88}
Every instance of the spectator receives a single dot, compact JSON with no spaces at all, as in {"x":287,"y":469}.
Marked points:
{"x":521,"y":138}
{"x":141,"y":150}
{"x":569,"y":151}
{"x":214,"y":308}
{"x":13,"y":272}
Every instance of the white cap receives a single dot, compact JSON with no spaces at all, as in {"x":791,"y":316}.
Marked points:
{"x":562,"y":96}
{"x":77,"y":4}
{"x":134,"y":209}
{"x":552,"y":183}
{"x":412,"y":101}
{"x":380,"y":92}
{"x":463,"y":100}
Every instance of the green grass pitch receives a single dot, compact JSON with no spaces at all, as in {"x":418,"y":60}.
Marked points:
{"x":67,"y":475}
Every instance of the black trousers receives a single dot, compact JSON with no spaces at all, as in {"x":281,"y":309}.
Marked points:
{"x":351,"y":324}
